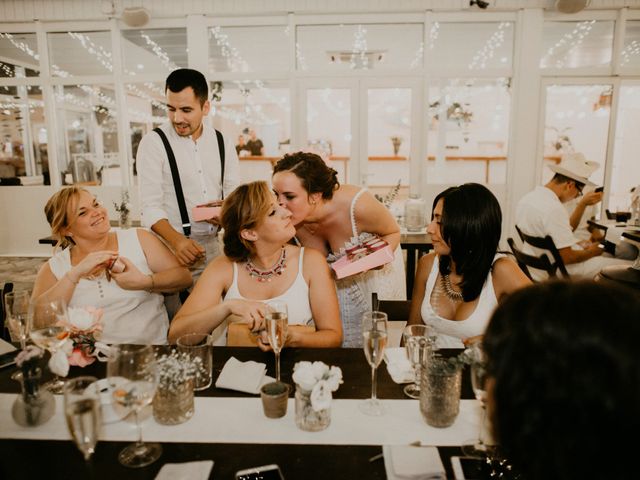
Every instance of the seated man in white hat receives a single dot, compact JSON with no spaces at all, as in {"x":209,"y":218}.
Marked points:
{"x":541,"y":212}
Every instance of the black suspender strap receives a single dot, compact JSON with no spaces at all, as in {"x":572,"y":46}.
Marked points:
{"x":221,"y":150}
{"x":175,"y":175}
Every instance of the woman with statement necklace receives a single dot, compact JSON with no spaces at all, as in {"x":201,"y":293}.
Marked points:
{"x":124,"y":272}
{"x":258,"y":266}
{"x":460,"y":283}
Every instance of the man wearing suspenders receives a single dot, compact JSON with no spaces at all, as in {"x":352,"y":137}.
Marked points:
{"x":184,"y":164}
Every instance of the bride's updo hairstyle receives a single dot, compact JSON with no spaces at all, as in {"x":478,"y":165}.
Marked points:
{"x":58,"y":212}
{"x":315,"y":175}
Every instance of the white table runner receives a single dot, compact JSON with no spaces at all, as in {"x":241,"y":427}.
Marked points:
{"x":241,"y":420}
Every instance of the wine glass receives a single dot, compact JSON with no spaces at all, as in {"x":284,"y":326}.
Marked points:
{"x":478,"y":373}
{"x":48,"y":325}
{"x":374,"y":331}
{"x":83,"y":413}
{"x":419,"y":344}
{"x":17,"y":308}
{"x":133,"y":377}
{"x":276,"y":322}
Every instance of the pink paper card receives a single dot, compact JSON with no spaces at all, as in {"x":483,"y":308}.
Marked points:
{"x":345,"y":267}
{"x":201,"y":214}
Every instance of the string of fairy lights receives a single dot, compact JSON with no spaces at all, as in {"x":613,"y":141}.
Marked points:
{"x":568,"y":43}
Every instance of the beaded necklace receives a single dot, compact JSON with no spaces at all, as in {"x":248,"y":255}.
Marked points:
{"x":267,"y":275}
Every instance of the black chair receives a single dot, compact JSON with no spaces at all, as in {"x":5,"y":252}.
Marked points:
{"x":4,"y":331}
{"x":525,"y":261}
{"x":396,"y":310}
{"x":546,"y":243}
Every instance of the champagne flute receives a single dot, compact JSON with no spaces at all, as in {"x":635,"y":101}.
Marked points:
{"x":83,"y":413}
{"x":478,"y":373}
{"x":133,"y":377}
{"x":48,"y":325}
{"x":374,"y":331}
{"x":276,"y":322}
{"x":17,"y":308}
{"x":419,"y":344}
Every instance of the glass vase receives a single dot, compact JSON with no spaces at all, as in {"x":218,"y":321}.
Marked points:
{"x":415,"y":213}
{"x":124,"y":220}
{"x":440,"y":395}
{"x":34,"y":405}
{"x":306,"y":417}
{"x":173,"y":404}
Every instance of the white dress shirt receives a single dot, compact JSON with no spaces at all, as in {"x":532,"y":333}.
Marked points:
{"x":199,"y":166}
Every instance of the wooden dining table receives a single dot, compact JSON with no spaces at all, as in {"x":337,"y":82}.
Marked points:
{"x":52,"y":459}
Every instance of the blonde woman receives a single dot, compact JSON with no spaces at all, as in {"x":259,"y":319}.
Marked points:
{"x":260,"y":265}
{"x":122,"y":272}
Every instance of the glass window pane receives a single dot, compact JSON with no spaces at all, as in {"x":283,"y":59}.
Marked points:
{"x":577,"y":44}
{"x":472,"y":46}
{"x":23,"y":135}
{"x":389,"y":138}
{"x":329,"y":127}
{"x":244,"y":49}
{"x":154,"y":51}
{"x":630,"y":56}
{"x":472,"y":144}
{"x":80,"y":53}
{"x":19,"y":55}
{"x":625,"y":173}
{"x":254,"y":110}
{"x":335,"y":48}
{"x":89,"y":135}
{"x":577,"y":120}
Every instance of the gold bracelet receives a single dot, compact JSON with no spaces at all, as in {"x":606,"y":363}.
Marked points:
{"x":152,"y":283}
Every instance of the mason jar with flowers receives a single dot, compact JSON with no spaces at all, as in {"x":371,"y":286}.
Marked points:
{"x":315,"y":383}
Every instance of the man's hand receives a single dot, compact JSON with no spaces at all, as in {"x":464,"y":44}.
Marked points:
{"x":188,"y":251}
{"x":591,"y":198}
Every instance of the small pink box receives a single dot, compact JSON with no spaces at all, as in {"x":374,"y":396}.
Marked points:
{"x":345,"y":268}
{"x":201,"y":214}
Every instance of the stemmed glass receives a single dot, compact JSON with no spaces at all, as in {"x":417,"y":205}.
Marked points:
{"x":478,"y":384}
{"x":276,"y":322}
{"x":419,"y":344}
{"x":48,"y":325}
{"x":17,"y":308}
{"x":133,"y":377}
{"x":374,"y":331}
{"x":83,"y":413}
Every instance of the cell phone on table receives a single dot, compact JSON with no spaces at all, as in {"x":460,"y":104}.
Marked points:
{"x":599,"y":189}
{"x":469,"y":468}
{"x":265,"y":472}
{"x":8,"y":359}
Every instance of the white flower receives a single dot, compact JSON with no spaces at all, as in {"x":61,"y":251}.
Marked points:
{"x":304,"y":376}
{"x":80,"y":318}
{"x":334,"y":378}
{"x":321,"y":396}
{"x":320,"y":369}
{"x":59,"y":363}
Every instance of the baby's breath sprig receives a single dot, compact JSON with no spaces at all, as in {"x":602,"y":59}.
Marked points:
{"x":177,"y":367}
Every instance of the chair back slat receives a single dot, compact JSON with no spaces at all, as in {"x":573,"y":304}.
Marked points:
{"x":545,"y":243}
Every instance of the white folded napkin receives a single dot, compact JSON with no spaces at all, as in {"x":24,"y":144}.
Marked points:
{"x":6,"y":347}
{"x":185,"y":471}
{"x":245,"y":377}
{"x":398,"y":365}
{"x":412,"y":463}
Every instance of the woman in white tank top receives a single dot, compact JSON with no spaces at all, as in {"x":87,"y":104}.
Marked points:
{"x":258,"y":266}
{"x":459,"y":284}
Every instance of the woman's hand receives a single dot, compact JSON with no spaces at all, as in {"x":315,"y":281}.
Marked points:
{"x":131,"y":278}
{"x":92,"y":265}
{"x":251,"y":312}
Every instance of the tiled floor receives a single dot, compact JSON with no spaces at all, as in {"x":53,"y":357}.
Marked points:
{"x":20,"y":270}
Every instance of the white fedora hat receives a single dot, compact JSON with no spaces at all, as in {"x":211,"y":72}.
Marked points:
{"x":576,"y":167}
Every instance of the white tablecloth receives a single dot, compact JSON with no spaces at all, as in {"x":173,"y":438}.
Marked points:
{"x":241,"y":420}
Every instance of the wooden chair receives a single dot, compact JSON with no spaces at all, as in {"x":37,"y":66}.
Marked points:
{"x":525,"y":261}
{"x":546,"y":243}
{"x":396,"y":310}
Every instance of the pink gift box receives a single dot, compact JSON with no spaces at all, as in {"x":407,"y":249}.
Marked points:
{"x":345,"y":267}
{"x":200,"y":214}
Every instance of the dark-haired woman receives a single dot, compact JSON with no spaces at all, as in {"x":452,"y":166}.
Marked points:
{"x":460,"y":283}
{"x":327,"y":215}
{"x":258,"y":266}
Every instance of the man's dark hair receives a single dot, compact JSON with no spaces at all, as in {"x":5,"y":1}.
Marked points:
{"x":565,"y":366}
{"x":559,"y":178}
{"x":182,"y":78}
{"x":471,"y":224}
